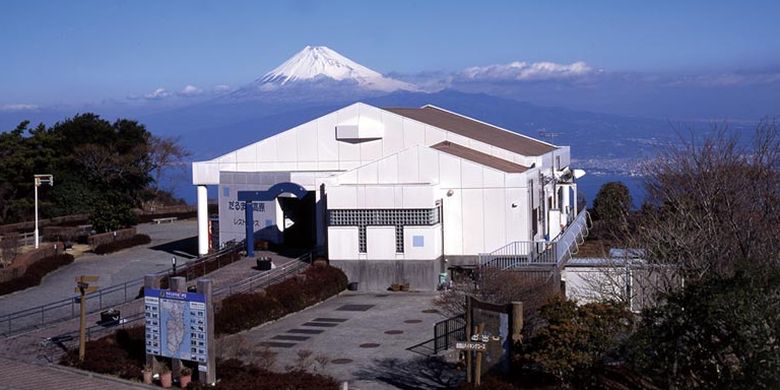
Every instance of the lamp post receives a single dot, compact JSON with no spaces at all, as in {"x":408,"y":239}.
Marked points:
{"x":38,"y":180}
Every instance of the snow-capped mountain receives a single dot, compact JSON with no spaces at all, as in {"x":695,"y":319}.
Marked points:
{"x":322,"y":67}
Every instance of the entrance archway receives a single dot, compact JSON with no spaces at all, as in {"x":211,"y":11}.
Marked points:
{"x":264,"y":196}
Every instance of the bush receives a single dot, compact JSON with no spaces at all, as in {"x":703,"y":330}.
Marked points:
{"x":138,"y":239}
{"x":574,"y":342}
{"x":35,"y":272}
{"x":234,"y":374}
{"x":245,"y":311}
{"x":121,"y":354}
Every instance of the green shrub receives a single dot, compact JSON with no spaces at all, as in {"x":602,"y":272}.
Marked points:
{"x":138,"y":239}
{"x":35,"y":272}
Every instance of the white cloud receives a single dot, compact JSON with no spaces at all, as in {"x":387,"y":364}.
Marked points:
{"x":158,"y":94}
{"x":222,"y":88}
{"x":18,"y":107}
{"x":190,"y":90}
{"x":525,"y":71}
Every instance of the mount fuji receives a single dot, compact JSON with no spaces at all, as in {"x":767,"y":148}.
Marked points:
{"x":325,"y":70}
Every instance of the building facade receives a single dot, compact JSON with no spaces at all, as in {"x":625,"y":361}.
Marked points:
{"x":396,"y":194}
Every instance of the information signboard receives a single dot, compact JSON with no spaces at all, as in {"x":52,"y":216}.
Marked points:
{"x":176,"y":324}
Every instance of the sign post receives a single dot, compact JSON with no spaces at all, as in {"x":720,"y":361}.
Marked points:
{"x":83,"y":288}
{"x":180,"y":325}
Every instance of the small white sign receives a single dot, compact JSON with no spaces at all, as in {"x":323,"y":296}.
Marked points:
{"x":202,"y":367}
{"x":470,"y":346}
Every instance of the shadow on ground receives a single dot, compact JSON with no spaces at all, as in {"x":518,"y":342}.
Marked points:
{"x":187,"y":247}
{"x":431,"y":373}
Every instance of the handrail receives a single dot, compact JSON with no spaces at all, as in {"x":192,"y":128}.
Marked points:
{"x":543,"y":253}
{"x":129,"y":289}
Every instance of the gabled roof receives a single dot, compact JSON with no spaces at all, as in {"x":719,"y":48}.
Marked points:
{"x":479,"y":157}
{"x":474,"y":129}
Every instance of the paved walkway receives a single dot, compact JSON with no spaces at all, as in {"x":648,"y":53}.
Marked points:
{"x":28,"y":346}
{"x":16,"y":375}
{"x":115,"y":268}
{"x":373,"y":341}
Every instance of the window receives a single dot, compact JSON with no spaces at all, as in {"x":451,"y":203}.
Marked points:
{"x":362,"y":239}
{"x":558,"y":163}
{"x":418,"y":241}
{"x":399,"y":239}
{"x":225,"y":191}
{"x":384,"y":217}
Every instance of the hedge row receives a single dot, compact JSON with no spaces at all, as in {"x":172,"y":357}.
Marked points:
{"x":138,"y":239}
{"x":35,"y":272}
{"x":122,"y":354}
{"x":245,"y":311}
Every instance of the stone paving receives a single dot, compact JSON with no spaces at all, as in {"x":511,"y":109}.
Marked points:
{"x":16,"y":375}
{"x":372,"y":341}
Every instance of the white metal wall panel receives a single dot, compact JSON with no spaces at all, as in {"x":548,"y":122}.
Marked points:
{"x":380,"y":197}
{"x":306,"y":136}
{"x":408,"y":166}
{"x":471,"y":174}
{"x":343,"y":242}
{"x":387,"y":170}
{"x":287,"y":146}
{"x":393,"y":141}
{"x":434,"y":135}
{"x":431,"y":242}
{"x":418,"y":197}
{"x":414,"y":133}
{"x":449,"y":169}
{"x":247,"y":154}
{"x":367,"y":174}
{"x":453,"y":223}
{"x":429,"y":165}
{"x":380,"y":242}
{"x":492,"y":178}
{"x":327,"y":150}
{"x":266,"y":150}
{"x":495,"y":218}
{"x":473,"y":221}
{"x":342,"y":197}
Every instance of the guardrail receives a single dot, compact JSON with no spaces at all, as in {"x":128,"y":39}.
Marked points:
{"x":540,"y":253}
{"x":68,"y":308}
{"x":447,"y":332}
{"x":266,"y":278}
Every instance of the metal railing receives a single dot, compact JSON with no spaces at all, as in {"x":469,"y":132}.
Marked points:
{"x":541,"y":253}
{"x":265,"y":279}
{"x":447,"y":332}
{"x":118,"y":294}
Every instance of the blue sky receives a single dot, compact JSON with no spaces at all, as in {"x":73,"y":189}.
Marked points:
{"x":80,"y":51}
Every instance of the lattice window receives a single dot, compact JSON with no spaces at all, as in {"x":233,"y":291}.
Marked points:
{"x":362,"y":239}
{"x":384,"y":217}
{"x":399,"y":239}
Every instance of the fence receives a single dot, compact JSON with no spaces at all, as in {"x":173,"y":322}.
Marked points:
{"x":447,"y":332}
{"x":541,"y":253}
{"x":249,"y":284}
{"x":68,"y":308}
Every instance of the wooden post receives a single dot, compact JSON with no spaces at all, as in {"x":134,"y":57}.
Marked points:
{"x":468,"y":338}
{"x":205,"y":287}
{"x":517,"y":322}
{"x":152,"y":281}
{"x":82,"y":323}
{"x":177,"y":284}
{"x":83,"y":288}
{"x":478,"y":368}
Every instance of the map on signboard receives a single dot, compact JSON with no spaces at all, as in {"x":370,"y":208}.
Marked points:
{"x":176,"y":324}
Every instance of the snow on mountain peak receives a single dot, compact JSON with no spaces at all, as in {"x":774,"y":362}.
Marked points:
{"x":320,"y":61}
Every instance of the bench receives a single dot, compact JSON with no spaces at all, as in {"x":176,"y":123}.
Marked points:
{"x":161,"y":220}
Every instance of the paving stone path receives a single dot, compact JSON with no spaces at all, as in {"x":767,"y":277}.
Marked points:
{"x":17,"y":375}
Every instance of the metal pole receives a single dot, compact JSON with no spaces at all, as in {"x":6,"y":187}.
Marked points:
{"x":35,"y":233}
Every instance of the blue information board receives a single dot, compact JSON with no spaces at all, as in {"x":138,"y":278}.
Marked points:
{"x":176,"y":324}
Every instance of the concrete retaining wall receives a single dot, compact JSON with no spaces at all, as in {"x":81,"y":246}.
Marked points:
{"x":103,"y":238}
{"x":21,"y":262}
{"x":378,"y":275}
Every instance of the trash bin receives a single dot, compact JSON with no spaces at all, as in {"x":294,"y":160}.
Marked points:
{"x":352,"y":286}
{"x":264,"y":263}
{"x":109,"y":317}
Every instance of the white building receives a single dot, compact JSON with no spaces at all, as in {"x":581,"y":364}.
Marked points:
{"x":395,"y":192}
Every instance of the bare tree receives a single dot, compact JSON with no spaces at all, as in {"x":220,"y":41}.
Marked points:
{"x":713,"y":207}
{"x":165,"y":153}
